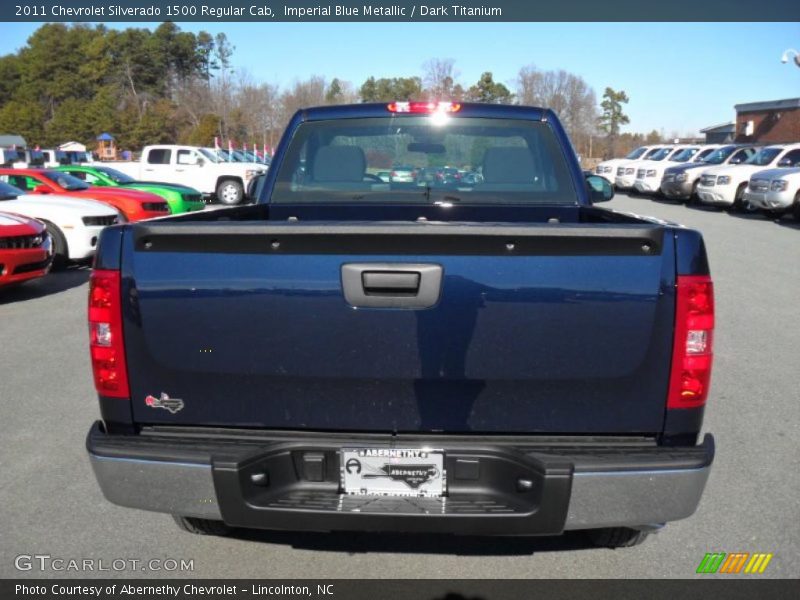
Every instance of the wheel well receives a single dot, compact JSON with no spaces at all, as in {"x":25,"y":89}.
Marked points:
{"x":53,"y":227}
{"x":225,"y":178}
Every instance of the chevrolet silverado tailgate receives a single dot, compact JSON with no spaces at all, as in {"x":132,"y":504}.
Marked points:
{"x":553,"y":328}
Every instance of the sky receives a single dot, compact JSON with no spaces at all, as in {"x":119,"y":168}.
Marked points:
{"x":680,"y":77}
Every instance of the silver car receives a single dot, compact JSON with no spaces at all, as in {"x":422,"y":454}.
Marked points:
{"x":401,"y":174}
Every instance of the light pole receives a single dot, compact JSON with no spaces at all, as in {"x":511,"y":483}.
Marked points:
{"x":788,"y":53}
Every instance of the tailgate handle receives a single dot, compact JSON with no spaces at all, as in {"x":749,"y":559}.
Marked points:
{"x":389,"y":282}
{"x":391,"y":285}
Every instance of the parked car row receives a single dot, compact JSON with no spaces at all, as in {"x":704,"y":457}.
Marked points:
{"x":75,"y":203}
{"x":73,"y":224}
{"x":742,"y":177}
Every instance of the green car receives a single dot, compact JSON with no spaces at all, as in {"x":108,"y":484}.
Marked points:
{"x":180,"y":198}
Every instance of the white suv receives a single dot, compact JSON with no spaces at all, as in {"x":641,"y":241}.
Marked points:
{"x":650,"y":172}
{"x":775,"y":191}
{"x":608,"y":168}
{"x":725,"y":185}
{"x":626,"y":170}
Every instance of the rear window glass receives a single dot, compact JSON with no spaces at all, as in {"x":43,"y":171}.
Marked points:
{"x":428,"y":160}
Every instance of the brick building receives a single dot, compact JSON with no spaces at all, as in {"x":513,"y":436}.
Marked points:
{"x":768,"y":122}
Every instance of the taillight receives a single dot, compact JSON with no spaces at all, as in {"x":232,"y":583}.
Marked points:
{"x":105,"y":334}
{"x":423,"y":107}
{"x":692,"y":346}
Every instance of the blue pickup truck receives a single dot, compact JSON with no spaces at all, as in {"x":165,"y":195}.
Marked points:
{"x":474,"y":348}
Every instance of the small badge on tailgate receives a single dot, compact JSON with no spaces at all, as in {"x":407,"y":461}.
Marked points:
{"x":173,"y":405}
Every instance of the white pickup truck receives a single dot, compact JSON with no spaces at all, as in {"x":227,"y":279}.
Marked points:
{"x":194,"y":167}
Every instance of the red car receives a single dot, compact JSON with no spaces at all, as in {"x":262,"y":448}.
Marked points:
{"x":135,"y":205}
{"x":25,"y":249}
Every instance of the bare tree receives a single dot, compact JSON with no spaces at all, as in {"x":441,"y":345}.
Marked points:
{"x":271,"y":114}
{"x":194,"y":99}
{"x":302,"y":94}
{"x":439,"y":77}
{"x":222,"y":89}
{"x":529,"y":86}
{"x":568,"y":95}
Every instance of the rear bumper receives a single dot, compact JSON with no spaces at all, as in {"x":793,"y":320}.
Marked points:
{"x":504,"y":488}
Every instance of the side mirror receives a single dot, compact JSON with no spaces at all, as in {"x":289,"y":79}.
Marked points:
{"x":785,"y":162}
{"x":200,"y":161}
{"x":42,"y":189}
{"x":735,"y":161}
{"x":600,"y":189}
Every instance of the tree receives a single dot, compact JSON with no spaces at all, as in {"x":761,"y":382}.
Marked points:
{"x":386,"y":90}
{"x":568,"y":95}
{"x":440,"y":78}
{"x":529,"y":86}
{"x":144,"y":86}
{"x":653,"y":138}
{"x":302,"y":94}
{"x":10,"y":77}
{"x":205,"y":132}
{"x":204,"y":55}
{"x":222,"y":53}
{"x":335,"y":92}
{"x":488,"y":91}
{"x":612,"y":117}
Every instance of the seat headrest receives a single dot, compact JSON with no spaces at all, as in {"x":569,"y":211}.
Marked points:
{"x":339,"y":163}
{"x":508,"y":165}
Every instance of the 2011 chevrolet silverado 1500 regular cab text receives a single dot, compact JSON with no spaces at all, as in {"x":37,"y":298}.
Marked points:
{"x":495,"y":358}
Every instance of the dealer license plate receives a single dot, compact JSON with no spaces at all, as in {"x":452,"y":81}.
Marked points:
{"x":393,"y":472}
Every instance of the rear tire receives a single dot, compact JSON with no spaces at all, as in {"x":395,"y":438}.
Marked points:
{"x":617,"y":537}
{"x":230,"y":192}
{"x":796,"y":206}
{"x":60,"y":250}
{"x":202,"y":526}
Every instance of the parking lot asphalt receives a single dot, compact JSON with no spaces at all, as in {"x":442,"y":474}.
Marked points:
{"x":50,"y":503}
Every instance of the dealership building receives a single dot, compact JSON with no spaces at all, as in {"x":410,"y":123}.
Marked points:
{"x":769,"y":122}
